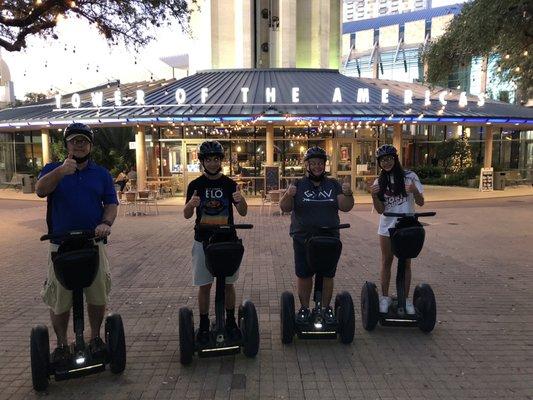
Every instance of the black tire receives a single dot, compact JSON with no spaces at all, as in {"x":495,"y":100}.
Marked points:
{"x":186,"y":329}
{"x":116,"y":343}
{"x":369,"y":306}
{"x":250,"y":329}
{"x":345,"y":316}
{"x":40,"y":357}
{"x":426,"y":305}
{"x":287,"y":317}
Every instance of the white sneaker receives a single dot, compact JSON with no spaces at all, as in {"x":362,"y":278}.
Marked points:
{"x":409,"y":307}
{"x":384,"y":304}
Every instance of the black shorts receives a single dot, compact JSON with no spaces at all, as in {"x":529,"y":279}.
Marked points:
{"x":301,"y":268}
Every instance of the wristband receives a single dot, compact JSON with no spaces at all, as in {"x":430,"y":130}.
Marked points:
{"x":349,"y":194}
{"x":106,"y":222}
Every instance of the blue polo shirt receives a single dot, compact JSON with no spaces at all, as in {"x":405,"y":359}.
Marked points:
{"x":78,"y":200}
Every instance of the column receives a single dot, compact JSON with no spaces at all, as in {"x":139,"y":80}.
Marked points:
{"x":487,"y":162}
{"x":140,"y":158}
{"x":397,"y":139}
{"x":270,"y":144}
{"x":45,"y":139}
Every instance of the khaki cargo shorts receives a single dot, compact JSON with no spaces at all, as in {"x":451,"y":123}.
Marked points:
{"x":59,"y":299}
{"x":200,"y":274}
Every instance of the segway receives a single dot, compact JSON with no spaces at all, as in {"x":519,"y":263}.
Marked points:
{"x":223,"y":256}
{"x":407,"y":240}
{"x":323,"y":252}
{"x":76,"y":263}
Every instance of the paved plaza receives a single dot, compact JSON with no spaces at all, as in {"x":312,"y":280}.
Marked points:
{"x":478,"y":258}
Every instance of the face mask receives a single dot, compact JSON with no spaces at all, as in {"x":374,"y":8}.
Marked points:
{"x":81,"y":160}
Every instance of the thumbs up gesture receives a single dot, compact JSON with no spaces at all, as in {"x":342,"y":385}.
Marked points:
{"x":346,"y":186}
{"x":69,"y":165}
{"x":291,"y":190}
{"x":195,"y":200}
{"x":237,"y":195}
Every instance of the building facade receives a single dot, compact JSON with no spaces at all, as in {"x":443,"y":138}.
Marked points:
{"x":265,"y":34}
{"x":268,"y":118}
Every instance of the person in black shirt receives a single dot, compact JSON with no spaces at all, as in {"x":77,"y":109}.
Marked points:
{"x":212,"y":196}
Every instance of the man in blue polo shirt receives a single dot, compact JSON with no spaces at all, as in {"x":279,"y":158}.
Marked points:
{"x":81,"y":196}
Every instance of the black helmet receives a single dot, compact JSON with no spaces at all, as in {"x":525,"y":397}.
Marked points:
{"x":315,"y":152}
{"x":386,"y":150}
{"x":210,"y":148}
{"x":77,"y":128}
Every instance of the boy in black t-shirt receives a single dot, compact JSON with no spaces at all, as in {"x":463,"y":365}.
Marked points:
{"x":212,"y":195}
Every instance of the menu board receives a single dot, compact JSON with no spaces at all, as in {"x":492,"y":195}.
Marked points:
{"x":486,"y":180}
{"x":271,"y":178}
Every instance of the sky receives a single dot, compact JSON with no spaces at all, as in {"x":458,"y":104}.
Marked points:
{"x":81,"y":58}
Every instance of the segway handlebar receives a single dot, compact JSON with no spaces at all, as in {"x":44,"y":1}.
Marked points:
{"x":225,"y":227}
{"x":80,"y":234}
{"x":340,"y":226}
{"x":416,"y":215}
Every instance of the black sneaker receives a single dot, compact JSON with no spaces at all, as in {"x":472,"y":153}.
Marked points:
{"x":202,"y":337}
{"x":234,"y":333}
{"x":329,"y":317}
{"x":97,"y":347}
{"x":303,"y":315}
{"x":61,"y":356}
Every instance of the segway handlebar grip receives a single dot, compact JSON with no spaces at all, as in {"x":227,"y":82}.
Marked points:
{"x":243,"y":226}
{"x":426,"y":214}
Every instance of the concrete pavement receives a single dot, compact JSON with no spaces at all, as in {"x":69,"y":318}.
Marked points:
{"x":478,"y":258}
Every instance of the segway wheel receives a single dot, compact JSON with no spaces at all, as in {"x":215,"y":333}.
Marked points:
{"x":40,"y":357}
{"x":369,"y":306}
{"x":186,"y":330}
{"x":116,"y":343}
{"x":426,"y":305}
{"x":287,"y":317}
{"x":250,"y":329}
{"x":345,"y":316}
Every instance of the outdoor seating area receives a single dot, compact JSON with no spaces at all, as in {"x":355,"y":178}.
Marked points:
{"x":143,"y":202}
{"x":14,"y":183}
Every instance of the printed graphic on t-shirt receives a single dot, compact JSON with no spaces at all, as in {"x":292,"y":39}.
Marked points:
{"x":318,"y":195}
{"x":214,"y":206}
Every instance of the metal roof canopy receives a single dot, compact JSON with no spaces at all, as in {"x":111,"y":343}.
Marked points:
{"x":225,"y":102}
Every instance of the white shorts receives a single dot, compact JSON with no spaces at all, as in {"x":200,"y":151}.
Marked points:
{"x":200,"y":274}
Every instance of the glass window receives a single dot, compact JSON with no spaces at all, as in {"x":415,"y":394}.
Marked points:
{"x":243,"y":132}
{"x":172,"y":133}
{"x":344,"y":157}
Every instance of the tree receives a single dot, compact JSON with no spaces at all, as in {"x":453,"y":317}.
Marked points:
{"x":485,"y":27}
{"x":454,"y":154}
{"x":117,"y":20}
{"x":33,"y":97}
{"x":111,"y":148}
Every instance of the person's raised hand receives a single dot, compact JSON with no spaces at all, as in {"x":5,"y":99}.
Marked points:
{"x":195,"y":199}
{"x":346,"y":186}
{"x":237,"y":195}
{"x":291,"y":190}
{"x":374,"y":189}
{"x":69,"y":165}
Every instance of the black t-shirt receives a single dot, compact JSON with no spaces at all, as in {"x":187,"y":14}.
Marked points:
{"x":215,"y":203}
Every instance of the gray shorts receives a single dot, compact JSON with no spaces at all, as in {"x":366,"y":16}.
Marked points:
{"x":200,"y":274}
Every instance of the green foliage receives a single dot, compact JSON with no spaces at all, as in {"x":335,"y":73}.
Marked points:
{"x":454,"y":154}
{"x":111,"y":149}
{"x":427,"y":171}
{"x":128,"y":21}
{"x":33,"y":97}
{"x":484,"y":27}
